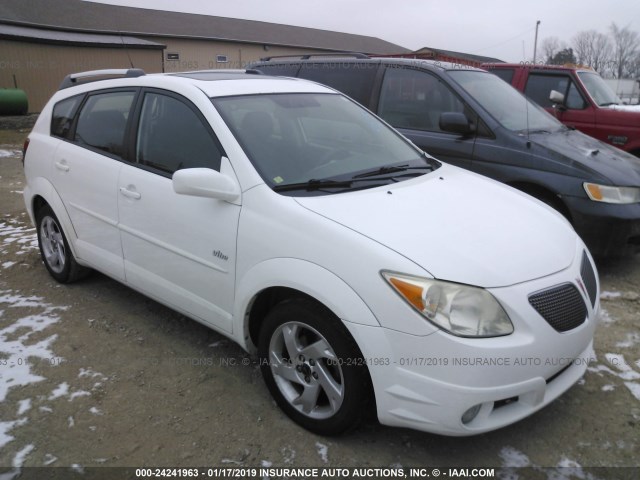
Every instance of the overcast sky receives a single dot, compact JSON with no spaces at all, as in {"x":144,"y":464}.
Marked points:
{"x":502,"y":29}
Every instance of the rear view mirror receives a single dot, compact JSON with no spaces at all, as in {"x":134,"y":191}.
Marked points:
{"x":204,"y":182}
{"x":556,"y":97}
{"x":456,"y":122}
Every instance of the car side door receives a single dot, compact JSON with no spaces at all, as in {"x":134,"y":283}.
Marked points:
{"x":413,"y":101}
{"x":179,"y":249}
{"x":85,"y":172}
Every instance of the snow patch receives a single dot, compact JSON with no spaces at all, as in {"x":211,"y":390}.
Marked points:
{"x":61,"y":390}
{"x":606,"y":295}
{"x":634,"y":388}
{"x":6,"y":153}
{"x":632,"y":339}
{"x":24,"y":405}
{"x":323,"y":451}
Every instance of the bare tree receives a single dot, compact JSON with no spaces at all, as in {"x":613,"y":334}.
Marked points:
{"x":626,"y":44}
{"x":592,"y":49}
{"x":602,"y":52}
{"x":550,"y":46}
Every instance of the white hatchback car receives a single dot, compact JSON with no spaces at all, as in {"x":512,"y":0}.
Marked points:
{"x":287,"y":217}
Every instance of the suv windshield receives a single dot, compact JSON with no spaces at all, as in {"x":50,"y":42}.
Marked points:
{"x":598,"y":89}
{"x":320,"y":143}
{"x":504,"y":103}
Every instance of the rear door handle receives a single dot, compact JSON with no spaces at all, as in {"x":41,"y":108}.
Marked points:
{"x":62,"y":165}
{"x":129,"y":193}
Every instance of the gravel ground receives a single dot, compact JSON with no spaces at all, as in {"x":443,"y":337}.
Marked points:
{"x":94,"y":374}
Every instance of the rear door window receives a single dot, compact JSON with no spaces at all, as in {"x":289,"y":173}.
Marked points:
{"x":103,"y":121}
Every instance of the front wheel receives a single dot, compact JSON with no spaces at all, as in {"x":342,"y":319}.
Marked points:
{"x":313,"y":368}
{"x":54,"y":248}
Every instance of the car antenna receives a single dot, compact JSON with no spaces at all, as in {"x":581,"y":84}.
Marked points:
{"x":126,"y":49}
{"x":526,"y":108}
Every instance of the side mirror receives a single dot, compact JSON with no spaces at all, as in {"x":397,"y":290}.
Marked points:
{"x":204,"y":182}
{"x":456,"y":122}
{"x":556,"y":97}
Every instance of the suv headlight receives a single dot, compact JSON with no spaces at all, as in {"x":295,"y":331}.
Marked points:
{"x":459,"y":309}
{"x":609,"y":194}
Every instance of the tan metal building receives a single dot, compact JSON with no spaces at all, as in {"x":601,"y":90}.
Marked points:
{"x":41,"y":41}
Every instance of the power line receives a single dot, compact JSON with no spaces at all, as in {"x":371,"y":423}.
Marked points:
{"x":505,"y":41}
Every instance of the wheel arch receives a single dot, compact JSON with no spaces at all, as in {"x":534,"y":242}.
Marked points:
{"x":41,"y":192}
{"x":269,"y":283}
{"x":545,"y":195}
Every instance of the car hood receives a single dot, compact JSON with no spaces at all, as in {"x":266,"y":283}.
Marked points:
{"x":625,"y":108}
{"x":577,"y":149}
{"x":458,"y":226}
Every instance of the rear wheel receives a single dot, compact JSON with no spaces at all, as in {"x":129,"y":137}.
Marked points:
{"x":313,"y":367}
{"x":54,"y":248}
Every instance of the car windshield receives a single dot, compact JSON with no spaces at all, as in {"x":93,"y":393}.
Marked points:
{"x":320,"y":143}
{"x":598,"y":89}
{"x":504,"y":103}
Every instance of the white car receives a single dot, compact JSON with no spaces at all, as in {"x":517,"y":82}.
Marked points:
{"x":280,"y":213}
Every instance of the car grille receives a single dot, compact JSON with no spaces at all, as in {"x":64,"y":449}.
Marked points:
{"x":562,"y":306}
{"x":589,"y":278}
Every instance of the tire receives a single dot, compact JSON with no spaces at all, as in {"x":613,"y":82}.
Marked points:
{"x":313,"y":368}
{"x":54,"y":248}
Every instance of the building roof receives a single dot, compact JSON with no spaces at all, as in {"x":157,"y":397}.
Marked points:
{"x":39,"y":35}
{"x":85,"y":16}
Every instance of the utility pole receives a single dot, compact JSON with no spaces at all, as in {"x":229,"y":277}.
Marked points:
{"x":535,"y":43}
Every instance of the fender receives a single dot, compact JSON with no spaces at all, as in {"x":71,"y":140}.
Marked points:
{"x":42,"y":187}
{"x":301,"y":275}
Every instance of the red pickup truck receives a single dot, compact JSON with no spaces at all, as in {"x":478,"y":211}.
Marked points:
{"x":579,"y":98}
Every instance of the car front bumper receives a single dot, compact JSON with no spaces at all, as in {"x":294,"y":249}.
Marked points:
{"x":609,"y":230}
{"x":429,"y":382}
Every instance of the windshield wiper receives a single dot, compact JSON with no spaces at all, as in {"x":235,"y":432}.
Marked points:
{"x":539,"y":130}
{"x":390,"y":169}
{"x":313,"y":184}
{"x":608,"y":104}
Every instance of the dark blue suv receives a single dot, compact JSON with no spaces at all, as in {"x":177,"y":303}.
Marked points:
{"x":473,"y":119}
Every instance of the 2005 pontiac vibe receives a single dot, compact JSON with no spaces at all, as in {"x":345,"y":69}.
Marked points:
{"x":285,"y":216}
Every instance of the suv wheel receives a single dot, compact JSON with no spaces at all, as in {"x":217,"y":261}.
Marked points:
{"x":54,"y":248}
{"x":310,"y":365}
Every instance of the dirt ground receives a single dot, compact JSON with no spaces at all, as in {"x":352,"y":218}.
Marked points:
{"x":94,"y":374}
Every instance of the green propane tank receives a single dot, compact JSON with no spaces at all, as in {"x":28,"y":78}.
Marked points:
{"x":13,"y":101}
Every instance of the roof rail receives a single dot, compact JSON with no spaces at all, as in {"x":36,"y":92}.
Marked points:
{"x":310,"y":55}
{"x":72,"y":80}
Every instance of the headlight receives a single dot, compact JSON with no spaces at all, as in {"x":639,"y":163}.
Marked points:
{"x":459,"y":309}
{"x":608,"y":194}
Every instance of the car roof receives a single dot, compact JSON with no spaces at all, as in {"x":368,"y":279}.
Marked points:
{"x":212,"y":82}
{"x":411,"y":62}
{"x":573,"y":68}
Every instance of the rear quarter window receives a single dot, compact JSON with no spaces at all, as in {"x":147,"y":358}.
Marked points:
{"x":353,"y":79}
{"x":505,"y":74}
{"x":281,"y":70}
{"x":63,"y":114}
